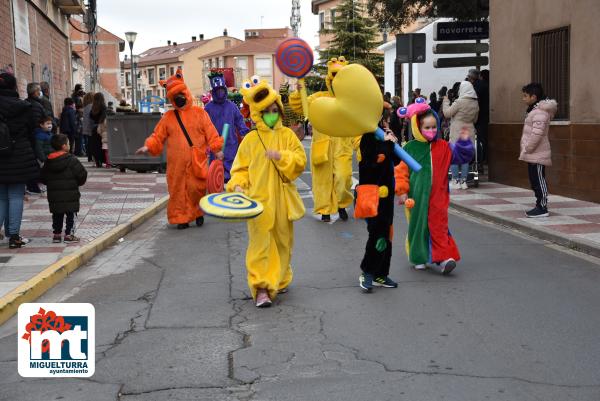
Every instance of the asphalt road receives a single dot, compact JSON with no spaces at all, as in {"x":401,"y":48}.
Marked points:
{"x":518,"y":320}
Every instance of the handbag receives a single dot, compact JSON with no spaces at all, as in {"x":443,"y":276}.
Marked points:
{"x":295,"y":206}
{"x":320,"y":151}
{"x":199,"y":168}
{"x":367,"y":201}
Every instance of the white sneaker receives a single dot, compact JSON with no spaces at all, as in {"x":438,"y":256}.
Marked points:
{"x":454,"y":185}
{"x":420,"y":267}
{"x":447,"y":266}
{"x":463,"y":185}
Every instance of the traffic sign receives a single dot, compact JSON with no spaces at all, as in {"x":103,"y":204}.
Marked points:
{"x":460,"y":62}
{"x":459,"y":48}
{"x":461,"y":30}
{"x":410,"y":48}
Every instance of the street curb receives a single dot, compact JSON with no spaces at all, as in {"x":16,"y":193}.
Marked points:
{"x":56,"y":272}
{"x":540,"y":232}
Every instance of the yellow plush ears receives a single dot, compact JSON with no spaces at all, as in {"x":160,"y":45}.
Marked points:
{"x":334,"y":65}
{"x":176,"y":85}
{"x":259,"y":95}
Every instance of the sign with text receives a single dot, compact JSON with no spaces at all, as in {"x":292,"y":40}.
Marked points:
{"x":461,"y":30}
{"x":454,"y":62}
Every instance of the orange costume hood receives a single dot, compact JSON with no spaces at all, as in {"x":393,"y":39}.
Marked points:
{"x":176,"y":85}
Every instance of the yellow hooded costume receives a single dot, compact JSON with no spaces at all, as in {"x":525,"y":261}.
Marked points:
{"x":331,"y":157}
{"x":270,"y":235}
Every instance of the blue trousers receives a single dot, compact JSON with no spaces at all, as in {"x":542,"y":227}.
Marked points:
{"x":464,"y":171}
{"x":11,"y":207}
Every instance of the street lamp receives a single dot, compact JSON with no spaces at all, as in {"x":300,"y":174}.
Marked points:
{"x":130,"y":36}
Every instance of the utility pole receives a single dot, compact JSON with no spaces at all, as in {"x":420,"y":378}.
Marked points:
{"x":295,"y":19}
{"x":92,"y":27}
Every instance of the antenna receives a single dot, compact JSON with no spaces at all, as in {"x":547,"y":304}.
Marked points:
{"x":295,"y":20}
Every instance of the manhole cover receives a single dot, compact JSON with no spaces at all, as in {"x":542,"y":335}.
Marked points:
{"x":4,"y":259}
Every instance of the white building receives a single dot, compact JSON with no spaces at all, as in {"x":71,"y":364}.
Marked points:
{"x":425,"y":76}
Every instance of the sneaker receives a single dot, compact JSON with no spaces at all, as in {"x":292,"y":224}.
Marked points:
{"x":200,"y":221}
{"x":420,"y":267}
{"x":343,"y":214}
{"x":447,"y":266}
{"x":262,"y":299}
{"x":454,"y":185}
{"x":385,"y":282}
{"x":537,"y":211}
{"x":463,"y":185}
{"x":56,"y":239}
{"x":183,"y":226}
{"x":326,"y":218}
{"x":365,"y":281}
{"x":71,"y":238}
{"x":16,"y":242}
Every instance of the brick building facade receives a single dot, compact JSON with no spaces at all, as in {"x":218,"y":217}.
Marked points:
{"x":108,"y":49}
{"x":34,"y":45}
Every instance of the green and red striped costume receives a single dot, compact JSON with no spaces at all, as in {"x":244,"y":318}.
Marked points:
{"x":429,"y":239}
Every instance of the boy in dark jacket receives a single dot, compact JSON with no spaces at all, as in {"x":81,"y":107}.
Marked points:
{"x":63,"y":174}
{"x":43,"y":133}
{"x":68,"y":120}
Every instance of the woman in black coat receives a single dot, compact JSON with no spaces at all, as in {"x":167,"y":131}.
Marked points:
{"x":18,"y":165}
{"x":98,"y":115}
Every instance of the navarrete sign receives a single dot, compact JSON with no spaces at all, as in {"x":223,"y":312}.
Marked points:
{"x":461,"y":30}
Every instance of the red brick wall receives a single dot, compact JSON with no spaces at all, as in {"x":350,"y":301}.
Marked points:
{"x":49,"y":52}
{"x":575,"y":159}
{"x":108,"y":57}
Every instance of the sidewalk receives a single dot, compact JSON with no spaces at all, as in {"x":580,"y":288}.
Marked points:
{"x":108,"y":199}
{"x":572,"y":223}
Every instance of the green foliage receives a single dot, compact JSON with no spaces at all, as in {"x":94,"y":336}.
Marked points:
{"x":315,"y":83}
{"x":396,"y":14}
{"x":354,"y":37}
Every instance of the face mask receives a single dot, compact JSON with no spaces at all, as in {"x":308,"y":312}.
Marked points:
{"x":429,"y":134}
{"x":180,"y":101}
{"x":270,"y":119}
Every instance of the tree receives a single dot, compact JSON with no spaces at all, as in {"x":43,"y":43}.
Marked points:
{"x":396,"y":14}
{"x":354,"y":37}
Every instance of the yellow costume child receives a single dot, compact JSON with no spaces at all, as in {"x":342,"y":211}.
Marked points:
{"x":331,"y":158}
{"x":267,"y":157}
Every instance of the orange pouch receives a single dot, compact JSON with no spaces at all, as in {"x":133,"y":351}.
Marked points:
{"x":199,"y":163}
{"x":367,"y":201}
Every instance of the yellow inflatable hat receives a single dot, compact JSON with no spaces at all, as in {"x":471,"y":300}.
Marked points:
{"x":356,"y":108}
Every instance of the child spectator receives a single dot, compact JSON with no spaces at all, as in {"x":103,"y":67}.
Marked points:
{"x":535,"y":146}
{"x":43,"y":133}
{"x":63,"y":174}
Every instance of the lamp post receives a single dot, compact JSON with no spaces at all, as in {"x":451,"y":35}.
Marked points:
{"x":130,"y":36}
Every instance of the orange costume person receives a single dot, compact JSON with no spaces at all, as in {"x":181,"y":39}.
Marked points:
{"x":187,"y":166}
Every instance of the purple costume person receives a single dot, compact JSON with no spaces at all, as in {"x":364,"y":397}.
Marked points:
{"x":223,"y":111}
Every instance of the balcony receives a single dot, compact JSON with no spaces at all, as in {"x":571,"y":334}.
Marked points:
{"x":70,"y":7}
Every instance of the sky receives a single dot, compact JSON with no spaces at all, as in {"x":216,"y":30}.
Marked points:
{"x":157,"y":21}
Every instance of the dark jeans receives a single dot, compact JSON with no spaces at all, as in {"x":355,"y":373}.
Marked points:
{"x":95,"y":144}
{"x":57,"y":222}
{"x":537,"y":179}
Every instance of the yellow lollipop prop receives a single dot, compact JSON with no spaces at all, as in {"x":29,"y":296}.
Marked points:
{"x":231,"y":206}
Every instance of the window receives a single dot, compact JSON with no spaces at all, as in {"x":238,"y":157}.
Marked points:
{"x":241,"y":65}
{"x":227,"y":43}
{"x":331,"y":17}
{"x":162,"y":72}
{"x":151,"y":80}
{"x":128,"y":79}
{"x":263,"y":67}
{"x":171,"y":71}
{"x":321,"y":21}
{"x":550,"y":64}
{"x":149,"y":93}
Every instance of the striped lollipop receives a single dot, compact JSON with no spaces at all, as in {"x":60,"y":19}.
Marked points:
{"x":294,"y":57}
{"x":231,"y":206}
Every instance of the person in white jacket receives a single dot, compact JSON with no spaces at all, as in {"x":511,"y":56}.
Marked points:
{"x":463,"y":113}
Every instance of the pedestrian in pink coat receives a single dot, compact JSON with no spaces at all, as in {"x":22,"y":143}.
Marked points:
{"x":535,"y":146}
